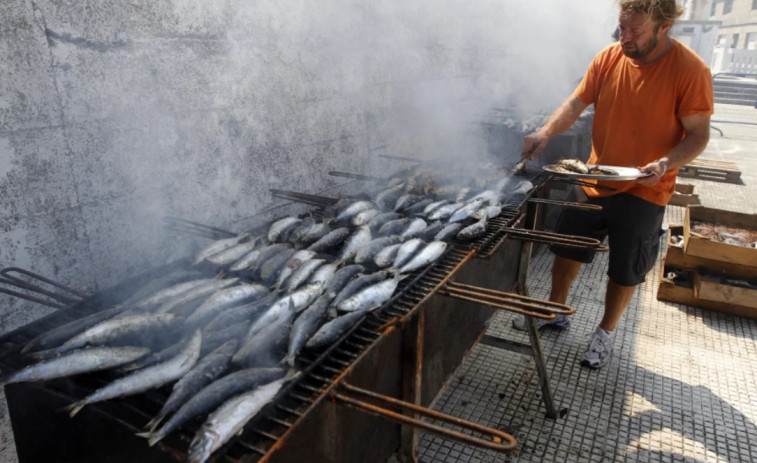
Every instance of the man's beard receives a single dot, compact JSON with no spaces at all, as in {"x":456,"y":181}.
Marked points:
{"x":643,"y":50}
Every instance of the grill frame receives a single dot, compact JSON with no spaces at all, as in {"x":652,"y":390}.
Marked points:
{"x":391,"y":328}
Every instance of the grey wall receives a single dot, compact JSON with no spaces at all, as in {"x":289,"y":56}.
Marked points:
{"x":114,"y":114}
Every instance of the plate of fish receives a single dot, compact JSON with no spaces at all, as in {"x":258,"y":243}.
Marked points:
{"x":576,"y":168}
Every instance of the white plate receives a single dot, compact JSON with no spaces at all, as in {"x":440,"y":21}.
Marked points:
{"x":624,"y":173}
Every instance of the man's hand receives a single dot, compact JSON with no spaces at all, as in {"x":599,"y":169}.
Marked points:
{"x":697,"y":127}
{"x":533,"y":145}
{"x":656,"y":169}
{"x":560,"y":121}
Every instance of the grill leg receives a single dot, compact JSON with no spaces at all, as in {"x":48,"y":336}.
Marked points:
{"x":412,"y":373}
{"x":533,"y":333}
{"x":541,"y":368}
{"x":533,"y":348}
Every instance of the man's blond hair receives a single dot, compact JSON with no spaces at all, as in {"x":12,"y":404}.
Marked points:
{"x":659,"y":11}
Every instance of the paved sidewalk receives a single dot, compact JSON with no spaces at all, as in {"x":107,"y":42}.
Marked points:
{"x":681,"y":386}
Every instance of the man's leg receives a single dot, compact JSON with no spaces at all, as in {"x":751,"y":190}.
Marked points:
{"x":600,"y":350}
{"x":616,"y":301}
{"x":564,"y":271}
{"x":634,"y":231}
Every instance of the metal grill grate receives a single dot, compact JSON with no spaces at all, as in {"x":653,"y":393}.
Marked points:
{"x":319,"y":372}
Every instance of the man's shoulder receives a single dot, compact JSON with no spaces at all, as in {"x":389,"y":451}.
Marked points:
{"x":608,"y":55}
{"x":686,"y":55}
{"x":610,"y":50}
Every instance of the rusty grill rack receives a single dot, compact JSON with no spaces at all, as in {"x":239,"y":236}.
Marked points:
{"x":508,"y":301}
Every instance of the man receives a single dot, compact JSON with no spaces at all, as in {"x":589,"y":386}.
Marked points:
{"x":652,"y":100}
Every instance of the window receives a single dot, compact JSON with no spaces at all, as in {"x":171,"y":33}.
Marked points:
{"x":754,"y":4}
{"x":727,"y":6}
{"x":721,"y":41}
{"x":751,"y":41}
{"x":735,"y":42}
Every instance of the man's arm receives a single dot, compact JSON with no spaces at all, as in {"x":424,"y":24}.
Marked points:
{"x":560,"y":121}
{"x":697,"y":128}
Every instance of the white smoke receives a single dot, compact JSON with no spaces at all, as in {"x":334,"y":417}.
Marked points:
{"x":196,"y":109}
{"x":416,"y":77}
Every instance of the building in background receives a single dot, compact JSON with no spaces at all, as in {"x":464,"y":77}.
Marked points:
{"x":735,"y":48}
{"x":724,"y":34}
{"x":696,"y":9}
{"x":699,"y":35}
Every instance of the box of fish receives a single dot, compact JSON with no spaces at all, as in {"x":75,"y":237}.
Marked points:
{"x":230,"y":341}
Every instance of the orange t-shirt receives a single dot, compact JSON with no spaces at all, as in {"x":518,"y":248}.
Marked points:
{"x":637,"y":112}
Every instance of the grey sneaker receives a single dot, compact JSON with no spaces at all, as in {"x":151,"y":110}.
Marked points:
{"x":560,"y":322}
{"x":600,"y":349}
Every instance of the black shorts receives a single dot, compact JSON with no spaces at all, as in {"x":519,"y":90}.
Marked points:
{"x":633,"y":227}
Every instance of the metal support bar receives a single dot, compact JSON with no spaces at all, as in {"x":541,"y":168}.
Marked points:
{"x":493,"y":439}
{"x":541,"y":370}
{"x":62,"y":299}
{"x":531,"y":308}
{"x":506,"y":344}
{"x":523,"y":304}
{"x":305,"y":198}
{"x":506,"y":301}
{"x":533,"y":348}
{"x":532,"y":213}
{"x":529,"y":234}
{"x":404,"y":158}
{"x":338,"y":173}
{"x":555,"y":239}
{"x":197,"y":229}
{"x":412,"y":380}
{"x":570,"y":204}
{"x":30,"y":298}
{"x":579,"y":182}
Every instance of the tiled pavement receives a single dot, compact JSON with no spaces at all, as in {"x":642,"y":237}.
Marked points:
{"x":679,"y":388}
{"x":682,"y":385}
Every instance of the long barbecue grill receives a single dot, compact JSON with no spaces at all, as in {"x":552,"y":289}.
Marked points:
{"x":390,"y":365}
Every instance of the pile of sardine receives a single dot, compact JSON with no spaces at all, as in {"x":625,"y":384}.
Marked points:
{"x":229,"y":332}
{"x":727,"y":234}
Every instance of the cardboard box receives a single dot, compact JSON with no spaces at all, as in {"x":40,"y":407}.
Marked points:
{"x":699,"y":246}
{"x":684,"y":195}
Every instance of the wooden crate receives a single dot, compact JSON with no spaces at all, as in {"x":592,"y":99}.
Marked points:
{"x":710,"y":169}
{"x":709,"y":289}
{"x":684,"y":195}
{"x":700,"y":292}
{"x":676,"y":257}
{"x":700,"y":246}
{"x":669,"y":291}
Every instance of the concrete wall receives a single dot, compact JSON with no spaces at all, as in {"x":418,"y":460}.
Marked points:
{"x":116,"y":114}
